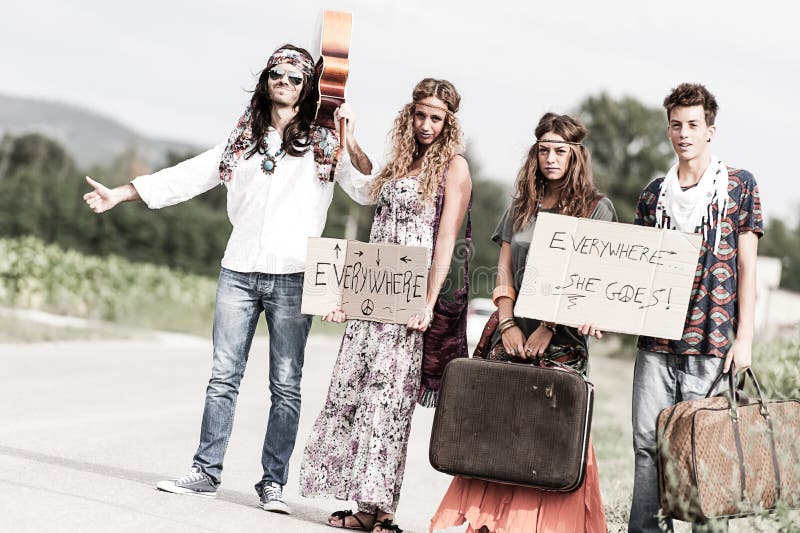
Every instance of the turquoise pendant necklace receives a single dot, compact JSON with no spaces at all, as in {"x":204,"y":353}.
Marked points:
{"x":269,"y":162}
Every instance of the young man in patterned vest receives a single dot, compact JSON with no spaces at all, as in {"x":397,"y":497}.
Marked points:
{"x":700,"y":194}
{"x":276,"y":167}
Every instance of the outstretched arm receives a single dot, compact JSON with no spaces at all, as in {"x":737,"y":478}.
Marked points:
{"x":101,"y":198}
{"x":458,"y":190}
{"x":166,"y":187}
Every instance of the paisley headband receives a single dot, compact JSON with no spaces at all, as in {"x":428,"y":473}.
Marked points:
{"x":294,"y":58}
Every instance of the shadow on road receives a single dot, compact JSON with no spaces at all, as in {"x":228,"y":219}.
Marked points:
{"x":305,"y":513}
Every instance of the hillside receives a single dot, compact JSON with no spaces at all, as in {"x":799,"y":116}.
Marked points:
{"x":89,"y":137}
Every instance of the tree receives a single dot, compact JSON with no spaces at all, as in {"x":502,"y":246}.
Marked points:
{"x":629,"y":147}
{"x":33,"y":173}
{"x":783,"y":242}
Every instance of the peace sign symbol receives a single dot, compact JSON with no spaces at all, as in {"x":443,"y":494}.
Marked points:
{"x":367,"y":307}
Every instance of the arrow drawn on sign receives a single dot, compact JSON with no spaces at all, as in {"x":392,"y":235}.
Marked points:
{"x":405,"y":259}
{"x":378,"y":260}
{"x":571,"y":297}
{"x":337,"y":250}
{"x":359,"y":253}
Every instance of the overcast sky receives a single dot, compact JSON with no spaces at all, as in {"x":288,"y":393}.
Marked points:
{"x":180,"y":69}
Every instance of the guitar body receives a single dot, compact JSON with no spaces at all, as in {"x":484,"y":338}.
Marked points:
{"x":334,"y":65}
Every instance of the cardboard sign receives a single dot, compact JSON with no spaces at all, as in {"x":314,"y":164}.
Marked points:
{"x":626,"y":278}
{"x":380,"y":282}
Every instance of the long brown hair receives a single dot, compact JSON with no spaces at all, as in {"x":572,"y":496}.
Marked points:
{"x":405,"y":145}
{"x":296,"y":138}
{"x":579,"y":193}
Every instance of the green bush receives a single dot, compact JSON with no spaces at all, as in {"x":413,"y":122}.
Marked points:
{"x":777,"y":366}
{"x":36,"y":275}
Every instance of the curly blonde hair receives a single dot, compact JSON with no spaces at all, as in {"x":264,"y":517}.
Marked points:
{"x":405,"y":146}
{"x":579,"y":193}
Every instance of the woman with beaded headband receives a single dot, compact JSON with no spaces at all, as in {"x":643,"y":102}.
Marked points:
{"x":357,"y":448}
{"x":276,"y":167}
{"x":555,"y":178}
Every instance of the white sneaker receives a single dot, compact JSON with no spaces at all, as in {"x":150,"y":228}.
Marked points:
{"x":272,"y":499}
{"x":195,"y":482}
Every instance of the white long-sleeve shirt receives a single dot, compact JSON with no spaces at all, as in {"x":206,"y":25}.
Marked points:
{"x":272,"y":215}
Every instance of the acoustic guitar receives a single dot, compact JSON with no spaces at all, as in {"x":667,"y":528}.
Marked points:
{"x":331,"y":72}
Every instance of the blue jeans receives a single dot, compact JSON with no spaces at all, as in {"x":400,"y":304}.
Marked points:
{"x":660,"y":381}
{"x":241,"y":297}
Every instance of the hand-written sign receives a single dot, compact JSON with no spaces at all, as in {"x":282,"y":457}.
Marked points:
{"x":625,"y":278}
{"x":380,"y":282}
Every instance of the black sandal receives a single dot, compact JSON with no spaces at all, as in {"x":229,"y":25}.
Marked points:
{"x":342,"y":515}
{"x":387,"y":524}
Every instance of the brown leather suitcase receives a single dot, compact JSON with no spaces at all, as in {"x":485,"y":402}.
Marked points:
{"x":722,"y":458}
{"x":513,"y":423}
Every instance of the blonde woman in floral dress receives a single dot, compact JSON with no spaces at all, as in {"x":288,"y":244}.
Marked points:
{"x":357,"y":448}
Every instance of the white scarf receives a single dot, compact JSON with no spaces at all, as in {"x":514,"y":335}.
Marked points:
{"x":691,"y":208}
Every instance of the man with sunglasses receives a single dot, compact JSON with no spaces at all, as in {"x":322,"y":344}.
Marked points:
{"x":276,"y":167}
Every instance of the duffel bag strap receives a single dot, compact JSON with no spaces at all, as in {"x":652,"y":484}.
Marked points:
{"x":730,"y":395}
{"x":768,"y":419}
{"x":733,"y":400}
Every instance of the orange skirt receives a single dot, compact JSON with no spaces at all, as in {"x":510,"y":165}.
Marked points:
{"x":512,"y":509}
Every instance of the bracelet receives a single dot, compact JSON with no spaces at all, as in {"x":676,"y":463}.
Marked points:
{"x":503,"y":291}
{"x":506,"y":328}
{"x":509,"y":320}
{"x":549,"y":325}
{"x":506,"y":324}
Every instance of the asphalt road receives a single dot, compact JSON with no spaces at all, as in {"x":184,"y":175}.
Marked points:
{"x":88,"y":428}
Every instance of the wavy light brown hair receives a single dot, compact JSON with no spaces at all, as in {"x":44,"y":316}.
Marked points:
{"x":405,"y":146}
{"x":579,"y":193}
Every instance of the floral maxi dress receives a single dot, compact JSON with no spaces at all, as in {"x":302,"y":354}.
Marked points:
{"x":357,"y":447}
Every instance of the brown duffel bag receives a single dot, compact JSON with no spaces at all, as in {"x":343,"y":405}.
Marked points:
{"x":727,"y":456}
{"x":513,"y":423}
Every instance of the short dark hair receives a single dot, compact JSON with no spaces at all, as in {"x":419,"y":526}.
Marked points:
{"x":692,"y":94}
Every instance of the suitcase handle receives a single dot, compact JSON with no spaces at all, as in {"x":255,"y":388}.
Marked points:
{"x":735,"y":393}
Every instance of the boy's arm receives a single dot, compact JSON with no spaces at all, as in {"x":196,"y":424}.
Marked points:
{"x":742,"y":350}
